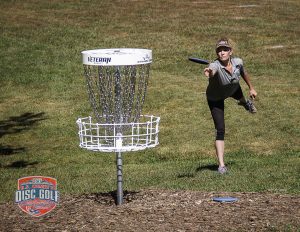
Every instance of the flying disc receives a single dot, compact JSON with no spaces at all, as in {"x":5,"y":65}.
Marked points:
{"x":225,"y":199}
{"x":198,"y":60}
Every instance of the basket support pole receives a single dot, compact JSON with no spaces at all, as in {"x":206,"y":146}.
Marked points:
{"x":119,"y":178}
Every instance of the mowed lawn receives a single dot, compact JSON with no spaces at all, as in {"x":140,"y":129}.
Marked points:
{"x":43,"y":92}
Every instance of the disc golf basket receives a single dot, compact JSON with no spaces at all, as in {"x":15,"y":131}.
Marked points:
{"x":117,"y":82}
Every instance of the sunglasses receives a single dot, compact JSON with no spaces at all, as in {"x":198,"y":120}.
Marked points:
{"x":225,"y":49}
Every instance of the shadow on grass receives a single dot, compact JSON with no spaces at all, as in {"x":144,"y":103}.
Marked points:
{"x":21,"y":164}
{"x":192,"y":173}
{"x":9,"y":150}
{"x":211,"y":167}
{"x":17,"y":124}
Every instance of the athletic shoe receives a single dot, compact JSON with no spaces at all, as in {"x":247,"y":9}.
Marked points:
{"x":222,"y":170}
{"x":249,"y":106}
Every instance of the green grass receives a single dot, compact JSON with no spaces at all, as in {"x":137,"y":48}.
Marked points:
{"x":43,"y":92}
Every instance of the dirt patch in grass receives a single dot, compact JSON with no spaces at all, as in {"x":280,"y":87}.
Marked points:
{"x":161,"y":210}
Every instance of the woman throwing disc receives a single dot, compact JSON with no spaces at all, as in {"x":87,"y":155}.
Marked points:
{"x":223,"y":81}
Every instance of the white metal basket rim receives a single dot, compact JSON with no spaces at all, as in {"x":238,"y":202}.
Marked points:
{"x":139,"y":141}
{"x":156,"y":120}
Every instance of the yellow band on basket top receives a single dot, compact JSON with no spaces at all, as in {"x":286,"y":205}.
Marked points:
{"x":117,"y":56}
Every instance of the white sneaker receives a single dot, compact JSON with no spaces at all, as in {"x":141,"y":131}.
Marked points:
{"x":222,"y":170}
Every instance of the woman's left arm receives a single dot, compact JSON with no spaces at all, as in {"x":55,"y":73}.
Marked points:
{"x":246,"y":78}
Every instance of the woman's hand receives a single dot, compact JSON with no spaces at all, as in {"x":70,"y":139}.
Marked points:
{"x":252,"y":93}
{"x":208,"y":72}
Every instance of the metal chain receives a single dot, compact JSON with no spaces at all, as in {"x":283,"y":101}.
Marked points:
{"x":117,"y":93}
{"x":92,"y":95}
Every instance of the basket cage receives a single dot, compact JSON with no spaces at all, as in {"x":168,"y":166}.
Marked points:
{"x":107,"y":137}
{"x":117,"y":81}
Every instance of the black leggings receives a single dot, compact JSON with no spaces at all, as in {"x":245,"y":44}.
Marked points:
{"x":217,"y":113}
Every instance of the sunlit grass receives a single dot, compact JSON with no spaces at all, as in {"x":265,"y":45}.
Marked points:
{"x":42,"y":76}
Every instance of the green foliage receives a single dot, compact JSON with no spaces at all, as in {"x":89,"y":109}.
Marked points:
{"x":43,"y":92}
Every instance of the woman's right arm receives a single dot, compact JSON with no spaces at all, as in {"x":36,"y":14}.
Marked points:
{"x":210,"y":71}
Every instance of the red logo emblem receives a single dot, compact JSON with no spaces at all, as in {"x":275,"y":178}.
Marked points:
{"x":37,"y":195}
